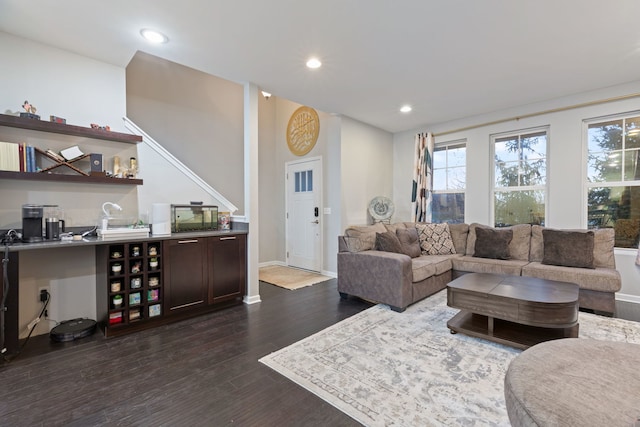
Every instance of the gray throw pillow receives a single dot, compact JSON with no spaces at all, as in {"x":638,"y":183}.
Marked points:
{"x":409,"y":240}
{"x":388,"y":242}
{"x":568,"y":248}
{"x":492,"y":243}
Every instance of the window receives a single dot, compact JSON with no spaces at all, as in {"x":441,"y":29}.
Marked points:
{"x":613,"y":177}
{"x":449,"y":182}
{"x":520,"y":178}
{"x":304,"y":181}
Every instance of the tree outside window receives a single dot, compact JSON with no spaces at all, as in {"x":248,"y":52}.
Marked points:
{"x":520,"y":177}
{"x":613,"y":178}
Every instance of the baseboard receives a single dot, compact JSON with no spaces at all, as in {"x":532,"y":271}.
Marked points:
{"x":270,"y":263}
{"x":251,"y":300}
{"x":628,"y":298}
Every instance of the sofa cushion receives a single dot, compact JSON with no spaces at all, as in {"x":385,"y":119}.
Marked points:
{"x":519,"y":246}
{"x":395,"y":226}
{"x":568,"y":248}
{"x":367,"y":233}
{"x":598,"y":279}
{"x":603,"y":246}
{"x":492,"y":243}
{"x":426,"y":266}
{"x":355,"y":244}
{"x":470,"y":264}
{"x":435,"y":239}
{"x":388,"y":242}
{"x":409,"y":241}
{"x":459,"y":234}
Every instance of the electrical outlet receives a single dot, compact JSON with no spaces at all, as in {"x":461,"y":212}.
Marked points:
{"x":42,"y":294}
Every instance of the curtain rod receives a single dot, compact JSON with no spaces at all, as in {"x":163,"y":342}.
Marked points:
{"x":539,"y":113}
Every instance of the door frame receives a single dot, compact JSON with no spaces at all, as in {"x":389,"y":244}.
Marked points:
{"x":318,"y":183}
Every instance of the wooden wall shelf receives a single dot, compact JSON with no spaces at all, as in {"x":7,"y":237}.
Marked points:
{"x":44,"y":126}
{"x":43,"y":176}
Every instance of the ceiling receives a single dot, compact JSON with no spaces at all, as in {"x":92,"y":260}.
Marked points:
{"x":449,"y":59}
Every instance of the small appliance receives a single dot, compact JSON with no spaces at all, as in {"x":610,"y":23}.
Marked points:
{"x":193,"y":217}
{"x":32,"y":223}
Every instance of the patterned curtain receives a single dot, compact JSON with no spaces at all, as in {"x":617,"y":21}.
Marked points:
{"x":422,"y":178}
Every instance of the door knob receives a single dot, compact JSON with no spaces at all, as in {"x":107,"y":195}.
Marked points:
{"x":315,"y":222}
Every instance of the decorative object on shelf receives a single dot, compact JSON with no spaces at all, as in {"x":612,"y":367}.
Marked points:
{"x":133,"y":168}
{"x":116,"y":166}
{"x":136,"y":267}
{"x":135,"y":251}
{"x":224,"y":221}
{"x":154,"y":310}
{"x":303,"y":130}
{"x":71,"y":153}
{"x":30,"y":111}
{"x":117,"y":301}
{"x":116,"y":254}
{"x":116,"y":268}
{"x":115,"y":286}
{"x":153,"y":263}
{"x":134,"y":298}
{"x":153,"y":251}
{"x":98,"y":127}
{"x":153,"y":281}
{"x":56,"y":119}
{"x":134,"y":314}
{"x":136,"y":283}
{"x":381,"y":209}
{"x":153,"y":295}
{"x":96,"y":165}
{"x":115,"y":318}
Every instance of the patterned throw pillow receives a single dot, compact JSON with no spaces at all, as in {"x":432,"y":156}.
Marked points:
{"x":435,"y":239}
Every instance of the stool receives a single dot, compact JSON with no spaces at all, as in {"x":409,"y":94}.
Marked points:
{"x":574,"y":382}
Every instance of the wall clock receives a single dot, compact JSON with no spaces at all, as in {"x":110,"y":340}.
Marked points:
{"x":302,"y":130}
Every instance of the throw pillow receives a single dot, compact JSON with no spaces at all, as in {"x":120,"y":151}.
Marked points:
{"x":568,"y":248}
{"x":355,"y":244}
{"x":409,"y":240}
{"x":388,"y":242}
{"x":435,"y":239}
{"x":492,"y":243}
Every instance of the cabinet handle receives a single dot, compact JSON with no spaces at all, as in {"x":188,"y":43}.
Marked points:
{"x":186,"y":305}
{"x":228,"y":238}
{"x":180,"y":242}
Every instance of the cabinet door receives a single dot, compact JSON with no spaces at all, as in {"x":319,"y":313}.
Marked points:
{"x":185,"y":274}
{"x":227,"y":267}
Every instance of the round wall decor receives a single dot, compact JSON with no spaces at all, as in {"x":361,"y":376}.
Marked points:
{"x":302,"y":130}
{"x":381,"y":208}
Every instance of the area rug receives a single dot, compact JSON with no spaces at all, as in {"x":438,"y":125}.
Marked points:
{"x":288,"y":277}
{"x":384,"y":368}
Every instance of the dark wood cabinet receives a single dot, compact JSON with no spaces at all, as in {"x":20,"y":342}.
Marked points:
{"x":227,"y":267}
{"x":185,"y":274}
{"x":142,"y":284}
{"x":129,"y":286}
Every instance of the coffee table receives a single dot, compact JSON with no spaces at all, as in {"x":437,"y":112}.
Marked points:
{"x":513,"y":310}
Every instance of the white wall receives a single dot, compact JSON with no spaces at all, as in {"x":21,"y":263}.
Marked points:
{"x":566,"y":199}
{"x":83,"y":91}
{"x":366,"y":170}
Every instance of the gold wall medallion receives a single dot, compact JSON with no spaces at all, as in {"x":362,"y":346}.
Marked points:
{"x":302,"y":130}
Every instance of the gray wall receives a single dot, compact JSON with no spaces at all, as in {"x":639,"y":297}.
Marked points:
{"x":197,"y":117}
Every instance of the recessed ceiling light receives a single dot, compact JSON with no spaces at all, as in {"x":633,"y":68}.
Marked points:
{"x":154,"y":36}
{"x":405,"y":109}
{"x":314,"y":63}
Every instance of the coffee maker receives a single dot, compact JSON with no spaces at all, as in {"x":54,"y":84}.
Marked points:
{"x":32,"y":223}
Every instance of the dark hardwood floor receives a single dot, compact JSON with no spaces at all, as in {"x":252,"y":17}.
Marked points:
{"x":198,"y":372}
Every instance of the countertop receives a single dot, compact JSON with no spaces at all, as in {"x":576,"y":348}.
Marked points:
{"x":95,"y":241}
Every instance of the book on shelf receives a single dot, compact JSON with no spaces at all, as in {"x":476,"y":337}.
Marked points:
{"x":9,"y":156}
{"x":55,"y":155}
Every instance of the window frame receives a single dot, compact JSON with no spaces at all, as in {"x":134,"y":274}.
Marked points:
{"x":519,"y":133}
{"x":447,"y":145}
{"x":587,"y":185}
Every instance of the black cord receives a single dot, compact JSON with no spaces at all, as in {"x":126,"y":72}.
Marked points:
{"x":33,"y":328}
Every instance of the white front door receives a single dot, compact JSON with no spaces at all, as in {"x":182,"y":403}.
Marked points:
{"x":304,"y":214}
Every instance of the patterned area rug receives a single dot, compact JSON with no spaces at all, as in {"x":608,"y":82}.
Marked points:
{"x":288,"y":277}
{"x":384,"y":368}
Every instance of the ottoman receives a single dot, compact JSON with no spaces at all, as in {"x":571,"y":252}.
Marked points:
{"x":574,"y":382}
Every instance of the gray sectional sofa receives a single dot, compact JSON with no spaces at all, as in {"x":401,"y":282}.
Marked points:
{"x":372,"y":266}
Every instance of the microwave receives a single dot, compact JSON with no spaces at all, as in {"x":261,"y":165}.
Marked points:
{"x":193,"y":218}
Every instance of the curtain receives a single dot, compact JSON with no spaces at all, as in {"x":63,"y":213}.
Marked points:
{"x":422,"y":178}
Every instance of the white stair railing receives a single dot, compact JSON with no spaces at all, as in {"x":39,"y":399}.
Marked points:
{"x":155,"y":146}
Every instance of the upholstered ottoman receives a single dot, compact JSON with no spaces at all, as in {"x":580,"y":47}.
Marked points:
{"x":574,"y":382}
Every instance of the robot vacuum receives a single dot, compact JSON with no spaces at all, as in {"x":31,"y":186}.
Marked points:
{"x":70,"y":330}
